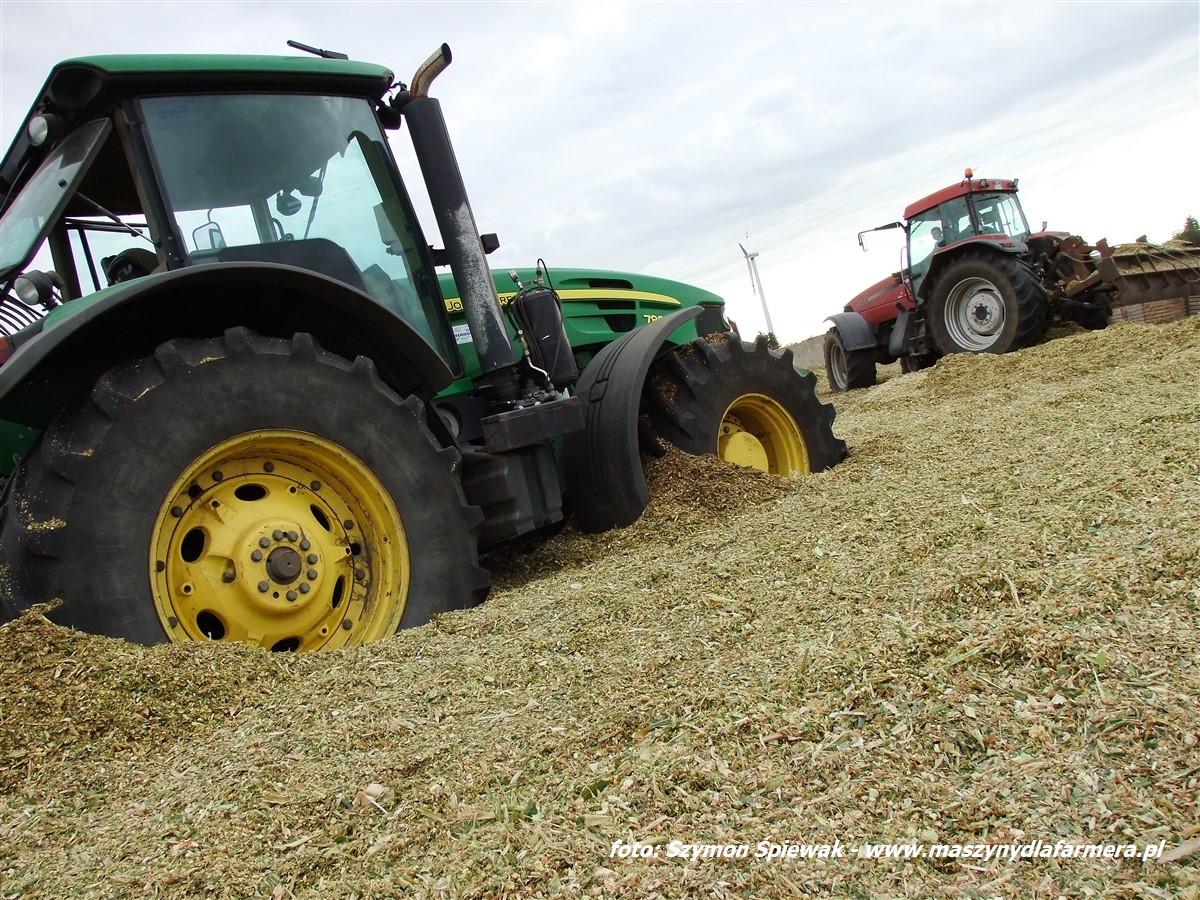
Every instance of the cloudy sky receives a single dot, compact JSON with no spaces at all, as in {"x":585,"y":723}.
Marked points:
{"x":655,"y":137}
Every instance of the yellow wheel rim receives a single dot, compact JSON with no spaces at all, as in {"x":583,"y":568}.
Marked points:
{"x":756,"y":431}
{"x":280,"y":539}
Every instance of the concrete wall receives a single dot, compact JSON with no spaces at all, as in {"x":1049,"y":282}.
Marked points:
{"x":810,"y":353}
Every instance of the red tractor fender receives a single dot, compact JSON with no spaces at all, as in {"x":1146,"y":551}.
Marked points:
{"x":51,"y":368}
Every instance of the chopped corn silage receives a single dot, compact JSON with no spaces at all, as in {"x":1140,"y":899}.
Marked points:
{"x":980,"y":629}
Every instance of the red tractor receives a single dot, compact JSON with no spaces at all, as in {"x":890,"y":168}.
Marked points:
{"x":976,"y":279}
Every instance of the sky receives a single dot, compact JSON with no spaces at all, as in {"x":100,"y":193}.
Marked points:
{"x":655,"y":137}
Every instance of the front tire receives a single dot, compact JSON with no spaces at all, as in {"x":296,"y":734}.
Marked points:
{"x":243,"y":488}
{"x":986,"y":303}
{"x":847,"y":370}
{"x":742,"y":402}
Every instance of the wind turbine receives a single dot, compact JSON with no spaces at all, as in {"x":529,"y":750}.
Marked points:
{"x":756,"y":284}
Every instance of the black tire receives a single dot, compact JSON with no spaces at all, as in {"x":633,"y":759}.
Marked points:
{"x":199,"y":493}
{"x":1093,"y":318}
{"x":915,"y":363}
{"x":986,"y":302}
{"x":742,"y":402}
{"x":847,"y":370}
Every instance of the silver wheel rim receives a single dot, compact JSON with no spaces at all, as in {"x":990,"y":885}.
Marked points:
{"x":837,"y":366}
{"x":975,"y":314}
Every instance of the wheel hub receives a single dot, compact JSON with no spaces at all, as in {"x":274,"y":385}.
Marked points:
{"x":742,"y":449}
{"x":756,"y":431}
{"x":282,"y":540}
{"x":283,"y":565}
{"x":975,"y":314}
{"x":987,"y":314}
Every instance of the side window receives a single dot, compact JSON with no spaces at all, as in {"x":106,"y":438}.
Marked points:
{"x":106,"y":253}
{"x":924,"y":237}
{"x":79,"y":210}
{"x":956,"y":220}
{"x":110,"y":238}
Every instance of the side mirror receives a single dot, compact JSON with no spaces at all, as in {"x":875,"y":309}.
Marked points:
{"x":208,"y":237}
{"x":287,"y":203}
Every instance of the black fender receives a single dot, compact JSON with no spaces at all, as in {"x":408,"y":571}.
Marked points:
{"x":855,"y":332}
{"x":1000,"y":244}
{"x":65,"y":359}
{"x":602,"y":463}
{"x":898,"y":341}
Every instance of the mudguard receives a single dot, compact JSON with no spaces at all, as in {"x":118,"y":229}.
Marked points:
{"x":855,"y":332}
{"x":128,"y":322}
{"x":898,"y":341}
{"x":602,"y":463}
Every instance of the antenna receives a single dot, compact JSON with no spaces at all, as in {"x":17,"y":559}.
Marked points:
{"x":756,"y":284}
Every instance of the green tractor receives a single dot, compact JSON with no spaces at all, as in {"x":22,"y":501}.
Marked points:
{"x":240,"y":404}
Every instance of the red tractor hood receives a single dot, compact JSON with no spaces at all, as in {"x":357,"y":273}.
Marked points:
{"x":878,"y":303}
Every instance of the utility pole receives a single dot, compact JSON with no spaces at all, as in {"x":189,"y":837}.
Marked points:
{"x":756,"y":284}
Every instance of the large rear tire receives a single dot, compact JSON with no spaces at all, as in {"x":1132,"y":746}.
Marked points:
{"x":246,"y":489}
{"x":742,"y":402}
{"x":847,"y":370}
{"x":986,"y":303}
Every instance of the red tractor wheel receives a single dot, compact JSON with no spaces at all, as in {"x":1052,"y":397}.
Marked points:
{"x":986,"y":303}
{"x":847,"y":369}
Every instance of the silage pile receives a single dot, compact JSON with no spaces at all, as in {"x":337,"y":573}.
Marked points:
{"x":980,"y":628}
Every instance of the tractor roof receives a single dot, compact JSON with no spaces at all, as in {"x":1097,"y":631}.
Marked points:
{"x":966,"y":186}
{"x":84,"y":88}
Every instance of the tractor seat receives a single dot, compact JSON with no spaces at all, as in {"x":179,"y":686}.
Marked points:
{"x":136,"y":262}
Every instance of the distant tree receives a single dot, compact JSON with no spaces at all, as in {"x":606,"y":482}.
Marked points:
{"x":1189,"y":232}
{"x":772,"y":341}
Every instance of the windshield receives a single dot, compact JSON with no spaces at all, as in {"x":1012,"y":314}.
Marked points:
{"x":1000,"y":213}
{"x":40,"y":202}
{"x":300,"y":180}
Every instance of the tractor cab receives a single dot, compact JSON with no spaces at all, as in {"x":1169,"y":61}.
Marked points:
{"x":122,"y":174}
{"x":986,"y":209}
{"x":301,"y":180}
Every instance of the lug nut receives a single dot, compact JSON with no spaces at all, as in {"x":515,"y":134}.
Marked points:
{"x":218,"y":475}
{"x":315,"y":485}
{"x":305,"y":544}
{"x":227,"y":577}
{"x":291,"y":536}
{"x":305,"y":587}
{"x":312,"y":559}
{"x":268,"y":467}
{"x":348,"y":524}
{"x":177,"y":511}
{"x":347,"y":624}
{"x":312,"y":574}
{"x":256,"y":556}
{"x":291,"y":595}
{"x":263,"y":587}
{"x":264,"y":542}
{"x":277,"y":534}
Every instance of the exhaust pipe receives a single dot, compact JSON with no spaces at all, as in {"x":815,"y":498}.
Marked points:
{"x":460,"y":234}
{"x":429,"y":70}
